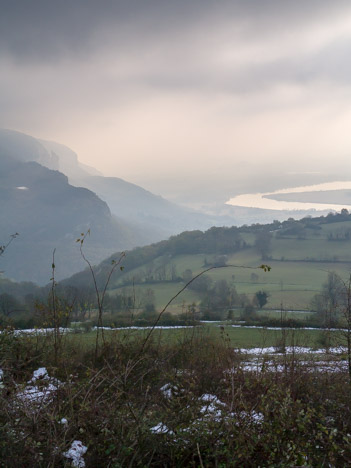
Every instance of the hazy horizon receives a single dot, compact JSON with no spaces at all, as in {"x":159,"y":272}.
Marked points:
{"x":179,"y":95}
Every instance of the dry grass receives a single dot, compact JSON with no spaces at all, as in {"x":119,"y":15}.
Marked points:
{"x":114,"y":404}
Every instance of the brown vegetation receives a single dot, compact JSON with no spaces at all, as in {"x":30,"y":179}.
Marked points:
{"x":191,"y":403}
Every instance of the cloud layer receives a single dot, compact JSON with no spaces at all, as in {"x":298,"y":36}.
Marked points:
{"x":154,"y":89}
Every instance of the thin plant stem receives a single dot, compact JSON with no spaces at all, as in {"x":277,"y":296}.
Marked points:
{"x":100,"y":296}
{"x":262,"y":267}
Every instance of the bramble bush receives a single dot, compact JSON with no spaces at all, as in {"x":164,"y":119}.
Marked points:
{"x":185,"y":402}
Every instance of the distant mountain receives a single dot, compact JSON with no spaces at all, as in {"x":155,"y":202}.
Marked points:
{"x":49,"y":213}
{"x":153,"y":215}
{"x":67,"y":161}
{"x":145,"y":209}
{"x":39,"y":201}
{"x":52,"y":155}
{"x":21,"y":147}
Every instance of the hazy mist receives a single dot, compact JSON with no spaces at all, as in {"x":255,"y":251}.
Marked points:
{"x":180,"y":95}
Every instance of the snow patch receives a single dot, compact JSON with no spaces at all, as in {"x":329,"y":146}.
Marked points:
{"x":291,"y":350}
{"x":208,"y":397}
{"x":37,"y":395}
{"x":39,"y":374}
{"x":37,"y":331}
{"x":212,"y":411}
{"x":168,"y":390}
{"x":285,"y":328}
{"x":211,"y":408}
{"x":253,"y":416}
{"x":34,"y":396}
{"x":157,"y":327}
{"x":75,"y":453}
{"x":313,"y":366}
{"x":161,"y":428}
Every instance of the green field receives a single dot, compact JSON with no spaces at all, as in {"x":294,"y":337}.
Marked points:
{"x":163,"y":293}
{"x":299,"y":267}
{"x":234,"y":337}
{"x":277,"y":314}
{"x":259,"y":337}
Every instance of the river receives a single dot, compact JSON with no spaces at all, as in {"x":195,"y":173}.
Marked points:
{"x":259,"y":200}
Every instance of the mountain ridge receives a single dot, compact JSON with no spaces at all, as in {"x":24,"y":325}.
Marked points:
{"x":49,"y":213}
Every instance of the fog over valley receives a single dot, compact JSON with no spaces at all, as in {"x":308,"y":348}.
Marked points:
{"x":194,"y":101}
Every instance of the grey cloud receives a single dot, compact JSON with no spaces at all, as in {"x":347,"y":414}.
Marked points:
{"x":164,"y":45}
{"x":331,"y":65}
{"x":197,"y":74}
{"x":47,"y":30}
{"x":117,"y":68}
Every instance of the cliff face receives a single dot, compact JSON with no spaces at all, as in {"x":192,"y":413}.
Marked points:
{"x":21,"y":147}
{"x":49,"y":213}
{"x":42,"y":197}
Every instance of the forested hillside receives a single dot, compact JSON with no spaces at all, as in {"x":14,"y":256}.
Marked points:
{"x":300,"y":253}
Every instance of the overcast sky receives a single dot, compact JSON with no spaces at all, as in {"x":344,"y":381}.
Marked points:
{"x":144,"y":89}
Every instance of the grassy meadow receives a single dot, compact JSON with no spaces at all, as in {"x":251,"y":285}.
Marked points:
{"x":299,"y":267}
{"x":234,"y":337}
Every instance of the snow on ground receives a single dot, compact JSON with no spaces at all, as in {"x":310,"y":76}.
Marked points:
{"x":75,"y":453}
{"x":250,"y":416}
{"x":157,"y":327}
{"x":212,"y":321}
{"x":39,"y":374}
{"x":40,"y":390}
{"x":257,"y":417}
{"x":168,"y":390}
{"x":285,"y":328}
{"x":211,"y":411}
{"x":61,"y":330}
{"x":259,"y":365}
{"x":34,"y":396}
{"x":212,"y":407}
{"x":209,"y":398}
{"x":38,"y":331}
{"x":291,"y":350}
{"x":161,"y":428}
